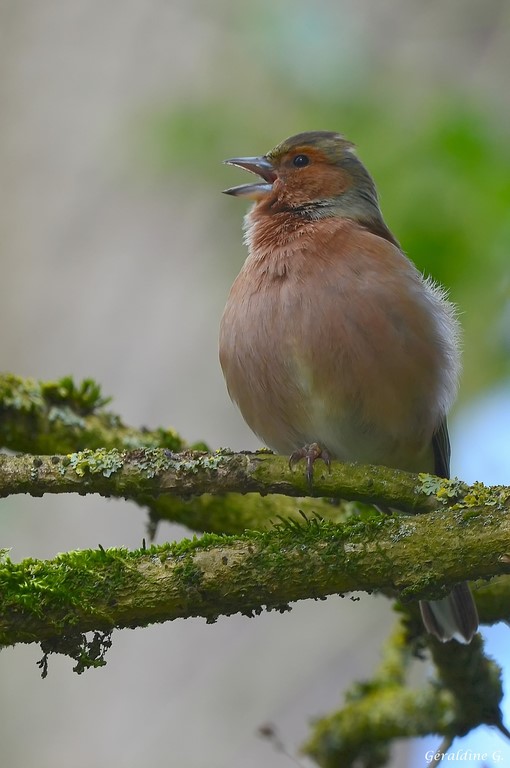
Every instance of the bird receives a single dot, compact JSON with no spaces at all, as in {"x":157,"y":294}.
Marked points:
{"x":332,"y":343}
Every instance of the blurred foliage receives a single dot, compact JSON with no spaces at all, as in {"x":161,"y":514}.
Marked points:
{"x":441,"y":162}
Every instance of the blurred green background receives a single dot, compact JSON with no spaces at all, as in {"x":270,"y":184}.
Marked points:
{"x":118,"y":251}
{"x":436,"y":142}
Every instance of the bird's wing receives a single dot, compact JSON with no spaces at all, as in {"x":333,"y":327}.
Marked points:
{"x":441,"y":448}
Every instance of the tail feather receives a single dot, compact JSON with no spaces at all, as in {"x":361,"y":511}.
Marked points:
{"x":454,"y":617}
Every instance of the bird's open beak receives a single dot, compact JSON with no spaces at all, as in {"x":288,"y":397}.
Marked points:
{"x":259,"y":165}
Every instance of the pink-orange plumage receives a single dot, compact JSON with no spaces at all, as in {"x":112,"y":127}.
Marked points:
{"x":330,"y":334}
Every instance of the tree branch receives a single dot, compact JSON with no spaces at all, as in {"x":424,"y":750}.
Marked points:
{"x":87,"y":590}
{"x":466,"y":693}
{"x":152,"y":472}
{"x":170,"y":484}
{"x":318,"y":548}
{"x":412,"y":556}
{"x":61,"y":417}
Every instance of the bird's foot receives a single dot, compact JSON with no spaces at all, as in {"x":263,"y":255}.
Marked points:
{"x":310,"y":453}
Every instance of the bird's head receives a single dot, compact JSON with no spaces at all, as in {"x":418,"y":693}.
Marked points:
{"x":314,"y":174}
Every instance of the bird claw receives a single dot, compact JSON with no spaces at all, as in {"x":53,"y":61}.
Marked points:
{"x":310,"y":453}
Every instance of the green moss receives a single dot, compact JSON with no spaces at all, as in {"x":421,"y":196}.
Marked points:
{"x":63,"y":416}
{"x":20,"y":394}
{"x":28,"y":395}
{"x":189,"y":574}
{"x":469,"y":514}
{"x":83,"y":398}
{"x":424,"y":584}
{"x":69,"y":581}
{"x":179,"y":549}
{"x":291,"y":534}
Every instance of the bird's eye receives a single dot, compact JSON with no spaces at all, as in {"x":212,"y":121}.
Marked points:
{"x":300,"y":161}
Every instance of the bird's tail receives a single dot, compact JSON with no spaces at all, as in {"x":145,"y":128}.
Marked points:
{"x":454,"y":617}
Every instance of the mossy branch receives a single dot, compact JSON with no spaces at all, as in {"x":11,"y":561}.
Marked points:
{"x":199,"y":489}
{"x":153,"y":472}
{"x":465,"y":534}
{"x":466,"y":693}
{"x":413,"y":557}
{"x":62,"y":416}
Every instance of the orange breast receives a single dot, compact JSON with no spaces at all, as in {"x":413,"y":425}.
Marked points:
{"x":333,"y":336}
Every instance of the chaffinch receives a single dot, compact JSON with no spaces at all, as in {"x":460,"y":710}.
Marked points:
{"x":332,"y":343}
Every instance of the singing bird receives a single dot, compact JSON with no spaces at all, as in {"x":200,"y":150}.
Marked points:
{"x":332,"y":343}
